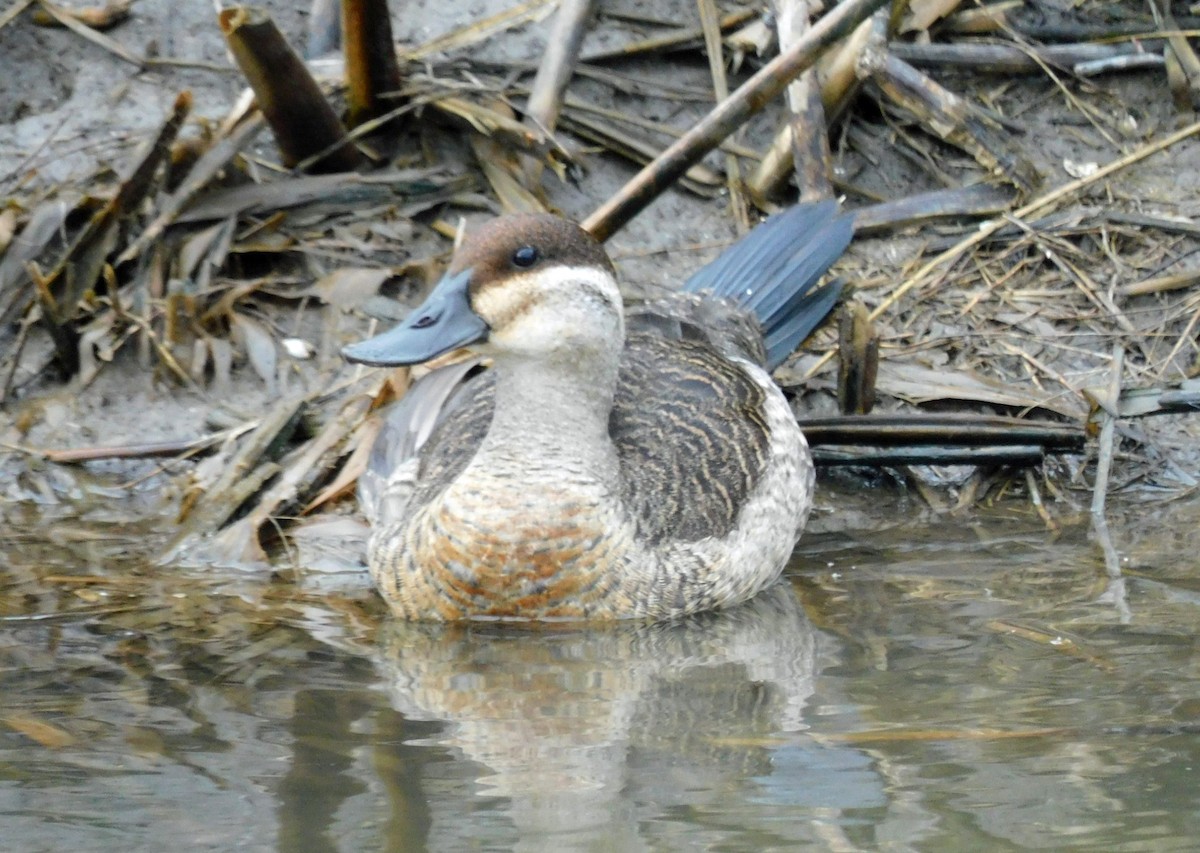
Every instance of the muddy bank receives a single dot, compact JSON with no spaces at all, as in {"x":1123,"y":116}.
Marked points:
{"x":1034,"y":314}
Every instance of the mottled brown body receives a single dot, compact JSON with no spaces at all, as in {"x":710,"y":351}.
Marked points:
{"x":681,"y":525}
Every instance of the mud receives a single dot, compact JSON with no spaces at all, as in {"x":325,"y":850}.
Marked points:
{"x":70,"y":110}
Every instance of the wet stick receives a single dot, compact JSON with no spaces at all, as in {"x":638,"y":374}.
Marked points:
{"x":1008,"y":455}
{"x":729,"y":115}
{"x":928,"y":428}
{"x":974,"y":200}
{"x":1011,"y":59}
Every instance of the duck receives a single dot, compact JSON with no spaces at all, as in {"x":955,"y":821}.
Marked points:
{"x":595,"y":458}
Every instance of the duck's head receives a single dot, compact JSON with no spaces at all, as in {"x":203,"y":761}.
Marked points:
{"x":529,"y":285}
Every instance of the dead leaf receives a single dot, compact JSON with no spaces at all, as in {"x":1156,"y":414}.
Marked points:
{"x":46,"y":734}
{"x":363,"y":442}
{"x":923,"y":14}
{"x":8,"y":227}
{"x":349,"y":287}
{"x":260,"y":349}
{"x":918,"y":384}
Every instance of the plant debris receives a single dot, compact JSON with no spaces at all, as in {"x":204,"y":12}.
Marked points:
{"x":998,"y":270}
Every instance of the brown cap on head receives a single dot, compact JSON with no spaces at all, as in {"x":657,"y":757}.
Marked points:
{"x":512,"y":245}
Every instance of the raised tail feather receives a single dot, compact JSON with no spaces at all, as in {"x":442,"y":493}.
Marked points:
{"x":772,"y":272}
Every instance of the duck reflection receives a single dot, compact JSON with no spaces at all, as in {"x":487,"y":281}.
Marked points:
{"x":576,"y":726}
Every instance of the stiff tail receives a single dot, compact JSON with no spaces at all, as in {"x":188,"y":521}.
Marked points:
{"x":772,"y":272}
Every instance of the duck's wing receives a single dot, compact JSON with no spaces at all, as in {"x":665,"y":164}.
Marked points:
{"x":691,"y":436}
{"x":427,"y":438}
{"x":699,"y":317}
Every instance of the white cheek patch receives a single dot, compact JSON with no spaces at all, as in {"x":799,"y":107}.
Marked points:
{"x":503,"y":302}
{"x":499,"y":302}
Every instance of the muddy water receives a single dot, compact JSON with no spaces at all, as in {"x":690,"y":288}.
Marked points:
{"x":939,"y":684}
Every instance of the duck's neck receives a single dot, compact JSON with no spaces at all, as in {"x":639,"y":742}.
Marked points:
{"x":553,"y":412}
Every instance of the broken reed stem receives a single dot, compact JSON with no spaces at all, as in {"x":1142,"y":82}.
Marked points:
{"x":1107,"y":433}
{"x":710,"y":23}
{"x":838,"y":69}
{"x":678,"y":39}
{"x":371,"y":67}
{"x":80,"y":266}
{"x":1115,"y":591}
{"x":806,"y":114}
{"x":839,"y":79}
{"x":729,"y":115}
{"x":554,"y":73}
{"x":774,"y":169}
{"x":213,"y":160}
{"x":302,"y":120}
{"x":858,"y":359}
{"x":974,"y":201}
{"x":1180,"y":54}
{"x":954,"y":119}
{"x":558,"y":64}
{"x":990,"y":58}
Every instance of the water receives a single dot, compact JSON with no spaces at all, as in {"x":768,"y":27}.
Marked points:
{"x":937,"y":684}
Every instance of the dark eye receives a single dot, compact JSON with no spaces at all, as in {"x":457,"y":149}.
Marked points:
{"x":526,"y":256}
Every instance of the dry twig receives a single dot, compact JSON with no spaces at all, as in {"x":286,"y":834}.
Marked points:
{"x":728,"y":115}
